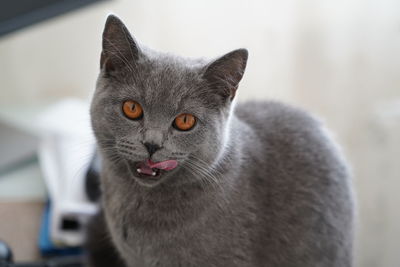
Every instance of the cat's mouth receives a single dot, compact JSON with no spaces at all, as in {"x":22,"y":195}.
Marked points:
{"x":153,"y":170}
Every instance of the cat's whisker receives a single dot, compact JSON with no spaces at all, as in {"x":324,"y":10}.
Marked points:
{"x":204,"y":171}
{"x":206,"y":165}
{"x":205,"y":177}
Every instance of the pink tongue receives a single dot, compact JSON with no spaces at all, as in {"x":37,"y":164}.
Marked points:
{"x":147,"y":166}
{"x":166,"y":165}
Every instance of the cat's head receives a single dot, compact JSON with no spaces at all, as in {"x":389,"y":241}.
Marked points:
{"x":157,"y":113}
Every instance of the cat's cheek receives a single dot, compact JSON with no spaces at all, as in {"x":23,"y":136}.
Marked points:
{"x":189,"y":141}
{"x":183,"y":146}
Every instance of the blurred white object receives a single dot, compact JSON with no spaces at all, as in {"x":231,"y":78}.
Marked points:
{"x":66,"y":148}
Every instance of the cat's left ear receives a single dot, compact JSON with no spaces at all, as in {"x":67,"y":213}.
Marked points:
{"x":120,"y":50}
{"x":225,"y":73}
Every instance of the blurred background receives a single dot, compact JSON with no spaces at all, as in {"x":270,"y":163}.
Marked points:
{"x":338,"y":59}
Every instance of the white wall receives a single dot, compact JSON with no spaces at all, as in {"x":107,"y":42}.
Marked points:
{"x":340,"y":59}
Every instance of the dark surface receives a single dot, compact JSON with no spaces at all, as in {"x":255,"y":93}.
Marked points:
{"x":101,"y":252}
{"x":92,"y":183}
{"x":7,"y":261}
{"x":15,"y":15}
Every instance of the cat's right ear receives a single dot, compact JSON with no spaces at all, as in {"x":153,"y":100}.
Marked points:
{"x":225,"y":73}
{"x":120,"y":50}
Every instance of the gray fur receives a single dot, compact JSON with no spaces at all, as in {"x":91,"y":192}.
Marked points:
{"x":258,"y":184}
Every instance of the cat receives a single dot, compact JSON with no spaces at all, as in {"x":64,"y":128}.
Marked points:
{"x":189,"y":178}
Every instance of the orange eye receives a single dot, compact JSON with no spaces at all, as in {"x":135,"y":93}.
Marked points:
{"x":184,"y":122}
{"x":132,"y":109}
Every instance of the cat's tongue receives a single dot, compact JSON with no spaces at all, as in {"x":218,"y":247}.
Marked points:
{"x":166,"y":165}
{"x":147,"y":166}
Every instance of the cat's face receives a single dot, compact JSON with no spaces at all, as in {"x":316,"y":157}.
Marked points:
{"x":157,"y":113}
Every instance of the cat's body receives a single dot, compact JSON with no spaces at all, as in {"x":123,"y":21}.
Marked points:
{"x":270,"y":189}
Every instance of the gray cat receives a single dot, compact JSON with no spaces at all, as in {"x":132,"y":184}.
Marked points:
{"x":190,"y":179}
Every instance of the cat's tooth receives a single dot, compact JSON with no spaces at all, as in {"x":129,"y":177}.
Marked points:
{"x":139,"y":170}
{"x":154,"y":174}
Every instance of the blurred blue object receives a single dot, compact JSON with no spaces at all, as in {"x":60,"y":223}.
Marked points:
{"x":46,"y":246}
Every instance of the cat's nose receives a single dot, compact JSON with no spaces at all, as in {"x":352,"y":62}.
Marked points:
{"x":151,"y":148}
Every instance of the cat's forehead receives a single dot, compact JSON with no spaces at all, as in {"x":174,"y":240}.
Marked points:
{"x":168,"y":78}
{"x":166,"y":84}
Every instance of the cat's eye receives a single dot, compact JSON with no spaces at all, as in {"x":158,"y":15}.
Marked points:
{"x":132,"y":110}
{"x":184,"y":122}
